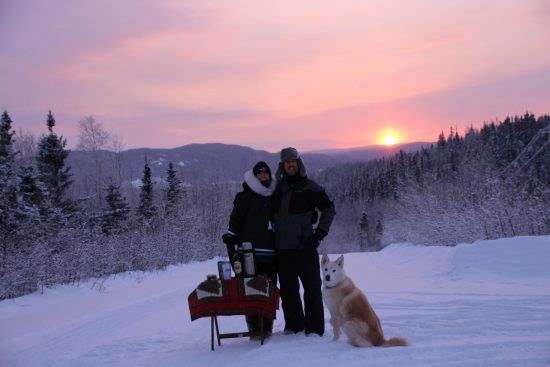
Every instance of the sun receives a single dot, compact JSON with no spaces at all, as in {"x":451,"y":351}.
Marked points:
{"x":388,"y":137}
{"x":389,"y":140}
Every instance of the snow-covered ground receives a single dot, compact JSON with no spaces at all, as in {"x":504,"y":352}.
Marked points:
{"x":482,"y":304}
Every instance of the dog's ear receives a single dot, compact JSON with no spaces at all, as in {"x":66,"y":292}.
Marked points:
{"x":324,"y":259}
{"x":340,"y":261}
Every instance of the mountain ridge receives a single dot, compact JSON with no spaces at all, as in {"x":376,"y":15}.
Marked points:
{"x":218,"y":161}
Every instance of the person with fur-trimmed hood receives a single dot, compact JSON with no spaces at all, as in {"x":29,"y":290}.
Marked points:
{"x":251,"y":220}
{"x":297,"y":199}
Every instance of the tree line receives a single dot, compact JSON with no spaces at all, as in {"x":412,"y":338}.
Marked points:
{"x":51,"y":236}
{"x":489,"y":183}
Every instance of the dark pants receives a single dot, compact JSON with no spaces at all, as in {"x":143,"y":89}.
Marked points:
{"x":253,"y":322}
{"x":303,"y":265}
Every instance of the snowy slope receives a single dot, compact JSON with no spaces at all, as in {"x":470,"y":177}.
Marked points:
{"x":482,"y":304}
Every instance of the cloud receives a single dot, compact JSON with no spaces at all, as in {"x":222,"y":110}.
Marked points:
{"x":431,"y":44}
{"x":209,"y":71}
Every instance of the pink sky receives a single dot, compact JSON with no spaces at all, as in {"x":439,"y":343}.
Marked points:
{"x":312,"y":74}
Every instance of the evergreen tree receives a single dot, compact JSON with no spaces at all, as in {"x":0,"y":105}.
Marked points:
{"x":392,"y":180}
{"x":14,"y":249}
{"x":173,"y":192}
{"x":441,"y":142}
{"x":50,"y":162}
{"x":415,"y":163}
{"x":30,"y":188}
{"x":116,"y":212}
{"x":7,"y":154}
{"x":364,"y":228}
{"x":8,"y":181}
{"x":146,"y":209}
{"x":451,"y":136}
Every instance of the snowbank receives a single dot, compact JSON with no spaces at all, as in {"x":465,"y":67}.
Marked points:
{"x":480,"y":304}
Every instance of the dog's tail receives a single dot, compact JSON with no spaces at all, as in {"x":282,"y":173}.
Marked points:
{"x":396,"y":341}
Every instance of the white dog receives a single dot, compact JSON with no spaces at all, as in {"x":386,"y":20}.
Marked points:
{"x":350,"y":309}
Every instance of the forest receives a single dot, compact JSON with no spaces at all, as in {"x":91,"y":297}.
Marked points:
{"x":55,"y":228}
{"x":492,"y":182}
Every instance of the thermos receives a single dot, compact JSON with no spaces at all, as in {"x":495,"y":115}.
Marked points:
{"x":249,"y":267}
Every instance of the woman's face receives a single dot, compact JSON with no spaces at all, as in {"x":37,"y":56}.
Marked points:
{"x":263,"y":176}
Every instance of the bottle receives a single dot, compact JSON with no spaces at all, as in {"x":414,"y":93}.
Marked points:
{"x":248,"y":253}
{"x":237,"y":263}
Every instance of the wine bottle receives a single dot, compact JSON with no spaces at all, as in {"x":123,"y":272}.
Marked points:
{"x":237,"y":263}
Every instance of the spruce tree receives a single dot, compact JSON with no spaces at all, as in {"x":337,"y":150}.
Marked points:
{"x":173,"y":192}
{"x":116,"y":212}
{"x":441,"y":142}
{"x":7,"y":153}
{"x":146,"y":209}
{"x":8,"y":180}
{"x":364,"y":229}
{"x":50,"y":162}
{"x":30,"y":188}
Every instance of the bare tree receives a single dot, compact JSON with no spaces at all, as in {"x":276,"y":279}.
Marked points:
{"x":94,"y":140}
{"x":92,"y":137}
{"x":25,"y":144}
{"x":116,"y":147}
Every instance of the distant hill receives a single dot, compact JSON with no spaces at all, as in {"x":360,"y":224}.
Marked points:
{"x":370,"y":152}
{"x":216,"y":161}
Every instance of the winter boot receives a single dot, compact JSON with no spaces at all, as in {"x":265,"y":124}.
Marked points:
{"x":253,"y":324}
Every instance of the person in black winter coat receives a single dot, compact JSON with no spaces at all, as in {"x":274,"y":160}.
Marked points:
{"x":297,"y":200}
{"x":251,"y":220}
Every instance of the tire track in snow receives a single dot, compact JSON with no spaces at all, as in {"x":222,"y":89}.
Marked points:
{"x":85,"y":334}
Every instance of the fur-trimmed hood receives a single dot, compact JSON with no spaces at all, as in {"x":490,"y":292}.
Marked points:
{"x":255,"y":185}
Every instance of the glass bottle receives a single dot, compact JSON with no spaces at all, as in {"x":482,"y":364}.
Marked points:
{"x":237,"y":263}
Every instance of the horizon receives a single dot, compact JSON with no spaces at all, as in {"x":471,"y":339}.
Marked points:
{"x":346,"y":75}
{"x":276,"y":150}
{"x":315,"y":151}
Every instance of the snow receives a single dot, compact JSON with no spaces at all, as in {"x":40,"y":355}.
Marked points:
{"x":481,"y":304}
{"x":159,"y":162}
{"x":137,"y":183}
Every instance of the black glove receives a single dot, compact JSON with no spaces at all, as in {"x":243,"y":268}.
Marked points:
{"x":230,"y":239}
{"x":315,"y":239}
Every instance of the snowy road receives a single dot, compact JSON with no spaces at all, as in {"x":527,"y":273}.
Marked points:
{"x":485,"y":304}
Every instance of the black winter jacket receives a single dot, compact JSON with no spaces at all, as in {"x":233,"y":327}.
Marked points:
{"x":295,"y":201}
{"x":252,"y":217}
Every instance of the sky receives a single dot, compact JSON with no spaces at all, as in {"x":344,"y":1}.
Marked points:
{"x":312,"y":74}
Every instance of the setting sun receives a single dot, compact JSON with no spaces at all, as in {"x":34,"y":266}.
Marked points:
{"x":389,"y":140}
{"x":388,"y":137}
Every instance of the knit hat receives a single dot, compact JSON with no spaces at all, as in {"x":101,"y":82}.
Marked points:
{"x":260,"y":167}
{"x":288,"y":154}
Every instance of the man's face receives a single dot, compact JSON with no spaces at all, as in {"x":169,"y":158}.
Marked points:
{"x":291,"y":167}
{"x":263,"y":176}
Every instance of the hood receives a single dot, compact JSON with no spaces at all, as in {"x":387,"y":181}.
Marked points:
{"x":256,"y":186}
